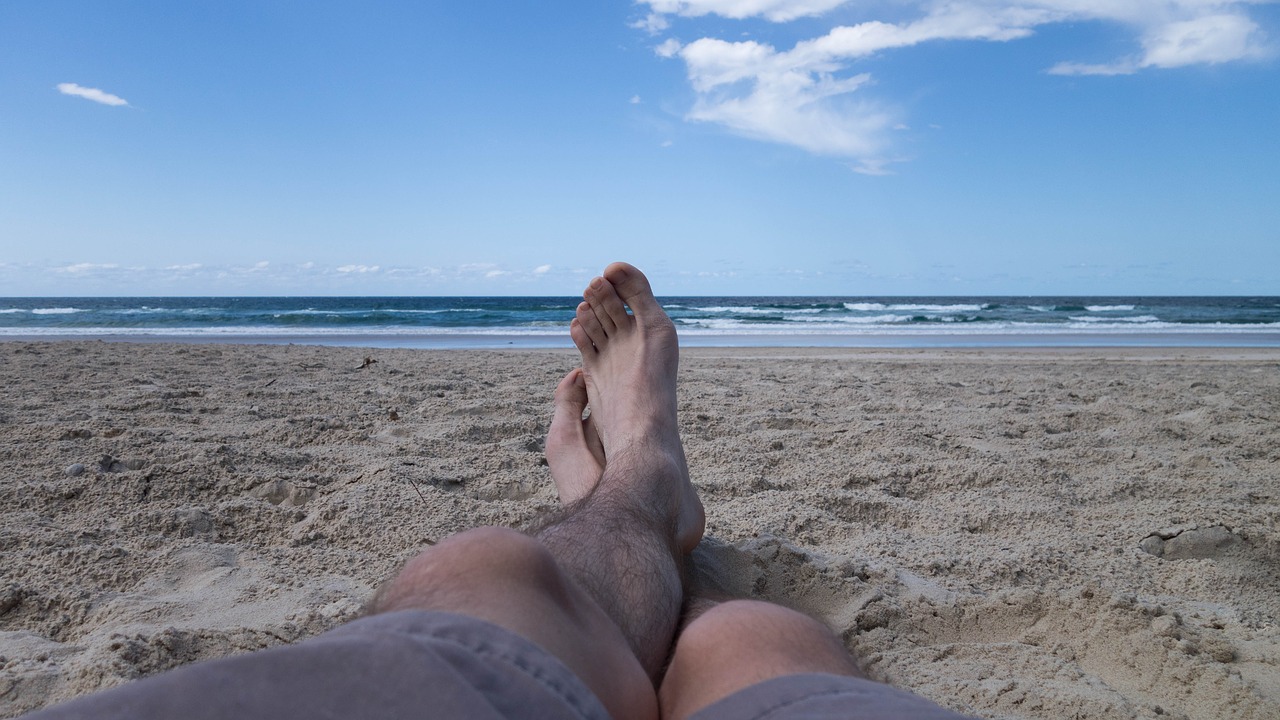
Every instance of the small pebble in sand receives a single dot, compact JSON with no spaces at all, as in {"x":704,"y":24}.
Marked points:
{"x":10,"y":597}
{"x":74,"y":470}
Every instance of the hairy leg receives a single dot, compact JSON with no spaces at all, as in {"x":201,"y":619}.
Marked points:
{"x":512,"y":580}
{"x":625,"y":540}
{"x":629,"y":363}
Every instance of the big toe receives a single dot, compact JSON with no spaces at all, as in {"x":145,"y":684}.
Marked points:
{"x":571,"y":395}
{"x":633,"y":287}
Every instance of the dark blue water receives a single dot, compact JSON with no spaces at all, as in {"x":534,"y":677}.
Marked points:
{"x":784,"y":320}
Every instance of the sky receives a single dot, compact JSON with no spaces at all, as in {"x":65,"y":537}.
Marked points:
{"x":726,"y":147}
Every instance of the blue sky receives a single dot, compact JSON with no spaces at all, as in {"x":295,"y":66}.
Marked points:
{"x":725,"y":146}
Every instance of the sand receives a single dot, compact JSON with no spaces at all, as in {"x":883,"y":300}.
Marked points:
{"x":1014,"y":534}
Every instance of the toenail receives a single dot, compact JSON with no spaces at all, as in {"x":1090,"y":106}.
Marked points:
{"x":597,"y":283}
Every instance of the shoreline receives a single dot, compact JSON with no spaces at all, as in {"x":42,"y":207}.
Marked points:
{"x":999,"y":354}
{"x":1002,"y":354}
{"x":476,"y":341}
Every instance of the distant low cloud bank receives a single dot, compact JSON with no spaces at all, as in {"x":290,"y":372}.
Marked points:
{"x":286,"y":278}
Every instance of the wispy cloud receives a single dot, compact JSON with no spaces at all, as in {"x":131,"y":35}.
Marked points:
{"x":812,"y":96}
{"x":84,"y":267}
{"x":1205,"y":40}
{"x":653,"y":23}
{"x":668,"y":48}
{"x":775,"y":10}
{"x":94,"y":94}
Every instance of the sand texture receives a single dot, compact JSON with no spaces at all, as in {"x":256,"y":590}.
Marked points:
{"x":1049,"y":534}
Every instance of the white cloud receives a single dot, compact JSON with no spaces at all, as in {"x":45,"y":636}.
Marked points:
{"x":357,"y":268}
{"x":653,"y":23}
{"x":787,"y":97}
{"x":1206,"y":40}
{"x":93,"y":94}
{"x":635,"y":100}
{"x":1209,"y":40}
{"x":668,"y":48}
{"x":542,"y":270}
{"x":810,"y":96}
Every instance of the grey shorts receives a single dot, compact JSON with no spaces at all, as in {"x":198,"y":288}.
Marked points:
{"x":418,"y":664}
{"x":824,"y":697}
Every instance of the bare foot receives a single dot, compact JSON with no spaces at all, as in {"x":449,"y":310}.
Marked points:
{"x":574,"y":452}
{"x":630,"y":363}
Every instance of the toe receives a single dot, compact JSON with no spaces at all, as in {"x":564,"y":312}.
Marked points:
{"x":633,"y":287}
{"x":597,"y":295}
{"x":590,"y":324}
{"x":581,"y":339}
{"x":608,"y":305}
{"x":571,"y":394}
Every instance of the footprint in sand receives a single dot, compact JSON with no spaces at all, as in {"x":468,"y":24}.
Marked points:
{"x":1192,"y":543}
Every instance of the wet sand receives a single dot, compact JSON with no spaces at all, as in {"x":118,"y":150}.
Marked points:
{"x":1015,"y":533}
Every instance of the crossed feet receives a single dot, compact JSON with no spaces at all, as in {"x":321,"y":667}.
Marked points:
{"x":628,"y":380}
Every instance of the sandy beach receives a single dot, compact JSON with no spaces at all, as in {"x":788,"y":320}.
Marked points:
{"x":1057,"y":533}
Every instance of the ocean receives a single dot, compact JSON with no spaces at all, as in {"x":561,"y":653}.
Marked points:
{"x":466,"y":322}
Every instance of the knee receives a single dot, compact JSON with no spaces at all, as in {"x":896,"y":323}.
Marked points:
{"x":488,"y":551}
{"x":469,"y":566}
{"x":767,"y":632}
{"x":737,"y":644}
{"x":746,"y":621}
